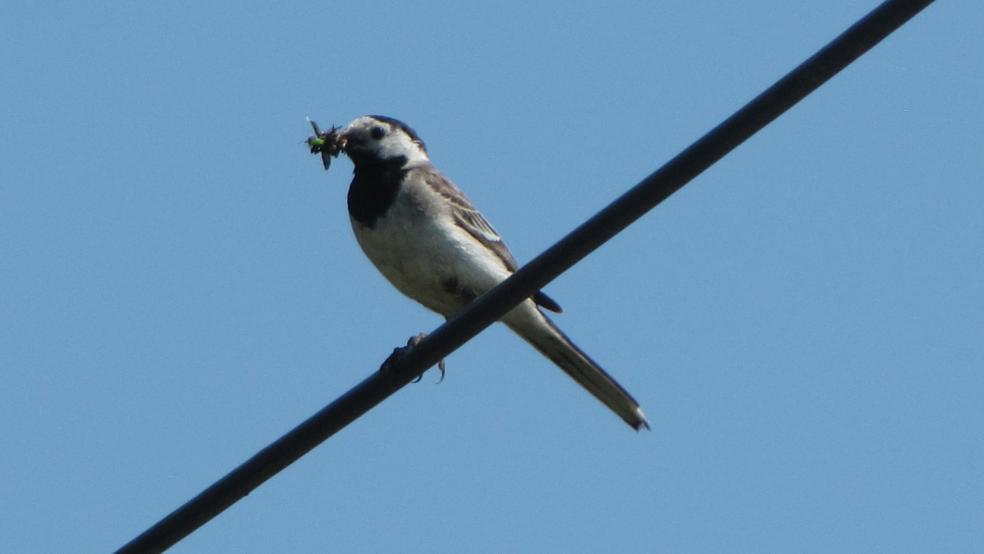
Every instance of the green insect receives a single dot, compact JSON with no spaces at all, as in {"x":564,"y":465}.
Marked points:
{"x":327,"y":143}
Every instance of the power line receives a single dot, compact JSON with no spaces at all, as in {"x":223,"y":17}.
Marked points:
{"x":752,"y":117}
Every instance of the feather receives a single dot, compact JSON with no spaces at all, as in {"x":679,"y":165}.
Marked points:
{"x":468,"y":218}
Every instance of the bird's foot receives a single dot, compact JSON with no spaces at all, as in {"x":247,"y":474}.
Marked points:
{"x":399,"y":351}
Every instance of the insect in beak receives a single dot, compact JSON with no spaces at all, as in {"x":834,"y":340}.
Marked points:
{"x":327,"y":143}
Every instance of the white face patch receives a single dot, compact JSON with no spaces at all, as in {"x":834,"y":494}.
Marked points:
{"x":383,"y":140}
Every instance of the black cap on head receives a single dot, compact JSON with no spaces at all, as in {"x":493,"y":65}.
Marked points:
{"x":402,"y":126}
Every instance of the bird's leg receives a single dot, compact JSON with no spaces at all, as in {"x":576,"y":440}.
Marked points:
{"x":398,"y":351}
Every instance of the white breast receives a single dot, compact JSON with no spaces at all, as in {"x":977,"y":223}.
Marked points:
{"x":417,"y":246}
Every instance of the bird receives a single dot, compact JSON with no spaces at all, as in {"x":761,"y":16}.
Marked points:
{"x":431,"y":243}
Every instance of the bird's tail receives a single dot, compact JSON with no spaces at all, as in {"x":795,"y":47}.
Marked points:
{"x":546,"y":337}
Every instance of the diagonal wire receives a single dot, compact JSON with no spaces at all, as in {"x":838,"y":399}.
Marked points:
{"x":752,"y":117}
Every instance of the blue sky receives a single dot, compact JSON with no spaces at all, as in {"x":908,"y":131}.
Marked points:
{"x":803,"y":324}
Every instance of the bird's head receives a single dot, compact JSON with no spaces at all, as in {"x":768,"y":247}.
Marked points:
{"x":370,"y":140}
{"x":381,"y":139}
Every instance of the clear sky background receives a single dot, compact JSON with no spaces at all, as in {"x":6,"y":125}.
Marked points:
{"x":179,"y":284}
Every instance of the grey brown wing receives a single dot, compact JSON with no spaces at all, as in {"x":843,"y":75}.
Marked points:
{"x":468,"y":218}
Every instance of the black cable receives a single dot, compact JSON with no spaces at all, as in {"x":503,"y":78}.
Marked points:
{"x":755,"y":115}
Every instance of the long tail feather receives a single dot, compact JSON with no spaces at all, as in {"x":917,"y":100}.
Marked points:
{"x":546,"y":337}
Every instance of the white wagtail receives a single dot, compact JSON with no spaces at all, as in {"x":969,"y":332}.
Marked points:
{"x":430,"y":242}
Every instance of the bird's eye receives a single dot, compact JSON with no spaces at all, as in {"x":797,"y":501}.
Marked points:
{"x":377,"y":133}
